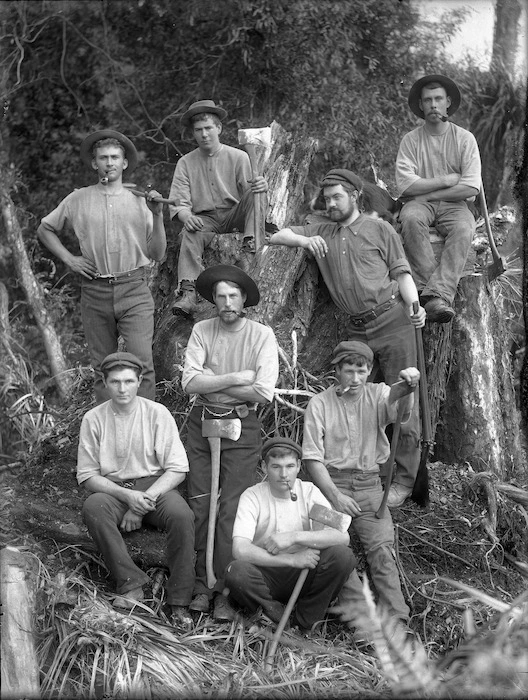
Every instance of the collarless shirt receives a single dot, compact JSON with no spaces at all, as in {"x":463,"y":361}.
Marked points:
{"x":363,"y":262}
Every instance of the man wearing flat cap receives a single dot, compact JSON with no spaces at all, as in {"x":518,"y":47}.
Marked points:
{"x":119,"y":234}
{"x":273,"y":542}
{"x":214,"y":189}
{"x":362,"y":262}
{"x":232,"y":365}
{"x":344,"y":446}
{"x":131,"y":460}
{"x":437,"y":172}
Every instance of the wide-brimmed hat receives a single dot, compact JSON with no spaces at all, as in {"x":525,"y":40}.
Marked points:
{"x":340,"y":176}
{"x":352,"y":347}
{"x":227,"y":273}
{"x":203,"y":106}
{"x":121,"y":359}
{"x":450,"y":86}
{"x":130,"y":150}
{"x":281,"y":442}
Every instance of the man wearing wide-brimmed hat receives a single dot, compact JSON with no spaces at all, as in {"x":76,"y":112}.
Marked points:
{"x":214,"y":189}
{"x":119,"y":234}
{"x":231,"y":363}
{"x":437,"y":172}
{"x":362,"y":262}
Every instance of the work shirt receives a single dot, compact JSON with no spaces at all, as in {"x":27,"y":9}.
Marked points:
{"x":344,"y":432}
{"x":114,"y":230}
{"x":216,"y":349}
{"x":425,"y":155}
{"x":206,"y":183}
{"x":120,"y":447}
{"x":363,"y":262}
{"x":260,"y":514}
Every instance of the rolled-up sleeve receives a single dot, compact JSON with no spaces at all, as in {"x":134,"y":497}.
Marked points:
{"x":313,"y":435}
{"x":267,"y":369}
{"x":406,"y":165}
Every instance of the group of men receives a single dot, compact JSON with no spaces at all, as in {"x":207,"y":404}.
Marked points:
{"x":131,"y":458}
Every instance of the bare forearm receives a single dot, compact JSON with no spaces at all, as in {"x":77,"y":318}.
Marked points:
{"x":407,"y":288}
{"x":245,"y":393}
{"x":322,"y":480}
{"x":49,"y":238}
{"x":288,"y":238}
{"x":247,"y":551}
{"x":321,"y":539}
{"x":209,"y":383}
{"x":452,"y":194}
{"x":100,"y":484}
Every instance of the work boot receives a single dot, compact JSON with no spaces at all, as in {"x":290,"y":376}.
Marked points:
{"x":438,"y":310}
{"x":186,"y":301}
{"x":180,"y":616}
{"x":200,"y":603}
{"x":222,"y":609}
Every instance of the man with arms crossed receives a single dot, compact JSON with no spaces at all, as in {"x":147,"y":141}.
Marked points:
{"x":131,"y":460}
{"x":232,"y":364}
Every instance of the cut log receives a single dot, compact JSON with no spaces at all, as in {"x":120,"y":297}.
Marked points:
{"x":18,"y":585}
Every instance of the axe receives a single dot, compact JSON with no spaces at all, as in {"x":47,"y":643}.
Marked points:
{"x":320,"y":517}
{"x":251,"y":140}
{"x":397,"y":391}
{"x":131,"y":186}
{"x":214,"y":430}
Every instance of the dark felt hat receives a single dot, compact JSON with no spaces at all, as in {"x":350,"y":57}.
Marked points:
{"x":202,"y":107}
{"x":130,"y":150}
{"x":340,"y":176}
{"x":280,"y":442}
{"x":227,"y":273}
{"x":352,"y":347}
{"x":450,"y":86}
{"x":121,"y":359}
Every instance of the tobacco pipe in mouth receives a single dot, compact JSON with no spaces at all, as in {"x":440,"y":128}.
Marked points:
{"x":293,"y":495}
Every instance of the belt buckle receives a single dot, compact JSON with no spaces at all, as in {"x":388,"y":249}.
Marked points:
{"x":357,"y":322}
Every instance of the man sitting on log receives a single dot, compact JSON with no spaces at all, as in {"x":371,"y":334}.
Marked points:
{"x":344,"y":446}
{"x":131,"y":460}
{"x":273,"y":543}
{"x":232,"y":364}
{"x":368,"y":276}
{"x":437,"y":173}
{"x":214,"y":189}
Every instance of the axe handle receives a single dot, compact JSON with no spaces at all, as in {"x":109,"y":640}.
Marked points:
{"x":482,"y":197}
{"x":394,"y":445}
{"x":268,"y":664}
{"x":251,"y":151}
{"x":214,"y":446}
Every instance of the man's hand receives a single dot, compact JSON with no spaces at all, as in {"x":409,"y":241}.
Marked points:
{"x":155,"y":207}
{"x":279,"y":541}
{"x":258,"y":184}
{"x":190,"y":221}
{"x":131,"y":521}
{"x":81,"y":265}
{"x":306,"y":559}
{"x":140,"y":502}
{"x":418,"y":319}
{"x":346,"y":504}
{"x":316,"y":246}
{"x":411,"y":375}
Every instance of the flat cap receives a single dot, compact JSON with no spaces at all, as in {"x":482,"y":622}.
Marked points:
{"x":352,"y":347}
{"x":340,"y":176}
{"x":281,"y":442}
{"x":121,"y":359}
{"x":227,"y":273}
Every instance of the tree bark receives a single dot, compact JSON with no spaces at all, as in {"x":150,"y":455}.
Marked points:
{"x":33,"y":290}
{"x":506,"y":36}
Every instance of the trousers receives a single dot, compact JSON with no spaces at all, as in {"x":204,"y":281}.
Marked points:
{"x":377,"y":539}
{"x":219,"y":221}
{"x":110,"y":309}
{"x":456,"y":224}
{"x":102,"y":514}
{"x":392,"y":339}
{"x":253,"y":586}
{"x":238,"y":469}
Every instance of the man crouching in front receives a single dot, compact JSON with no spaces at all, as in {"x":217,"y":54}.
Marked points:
{"x":273,"y":543}
{"x":131,"y":460}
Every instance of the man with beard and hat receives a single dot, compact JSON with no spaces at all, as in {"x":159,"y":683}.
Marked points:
{"x":437,"y":172}
{"x":232,"y":365}
{"x":214,"y":191}
{"x":368,"y":276}
{"x":119,"y":234}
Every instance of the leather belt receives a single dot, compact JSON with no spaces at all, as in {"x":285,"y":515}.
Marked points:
{"x":116,"y":277}
{"x":219,"y":410}
{"x":367,"y":316}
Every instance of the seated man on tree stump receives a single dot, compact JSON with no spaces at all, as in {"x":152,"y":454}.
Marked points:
{"x":437,"y":173}
{"x":362,"y":262}
{"x":214,"y":191}
{"x":131,"y":460}
{"x":344,"y":446}
{"x":273,"y":543}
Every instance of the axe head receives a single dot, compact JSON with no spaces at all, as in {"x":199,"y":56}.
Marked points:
{"x":399,"y":389}
{"x":255,"y":137}
{"x":228,"y":428}
{"x":322,"y":516}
